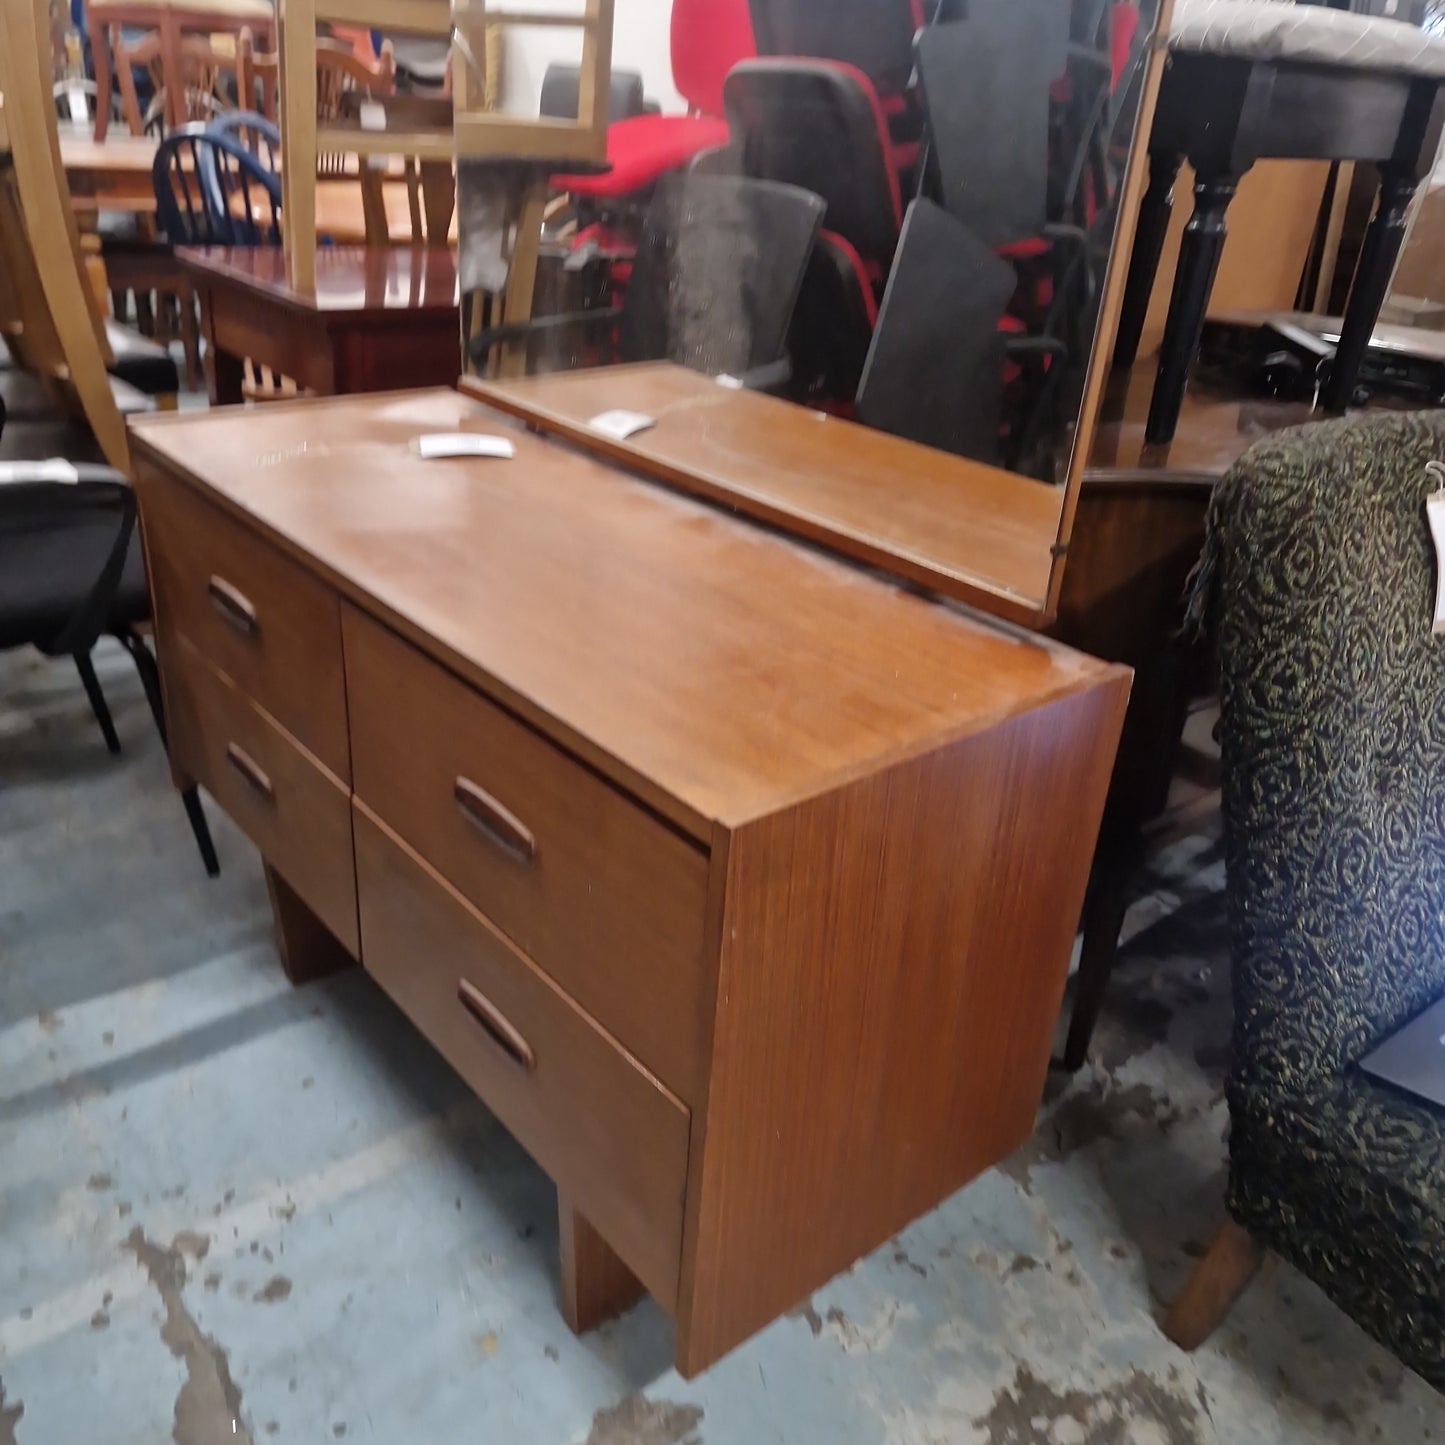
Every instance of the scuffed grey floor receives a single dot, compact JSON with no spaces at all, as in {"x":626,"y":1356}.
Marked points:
{"x":231,"y":1211}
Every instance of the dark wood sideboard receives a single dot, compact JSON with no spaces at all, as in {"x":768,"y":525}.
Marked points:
{"x":739,"y":883}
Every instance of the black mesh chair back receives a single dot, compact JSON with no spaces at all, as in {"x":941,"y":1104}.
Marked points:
{"x":876,"y":36}
{"x":818,"y":125}
{"x":935,"y":370}
{"x":717,"y":273}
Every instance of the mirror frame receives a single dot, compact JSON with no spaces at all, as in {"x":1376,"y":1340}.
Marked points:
{"x":899,"y":549}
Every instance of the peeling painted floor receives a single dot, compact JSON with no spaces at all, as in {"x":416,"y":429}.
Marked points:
{"x":234,"y":1212}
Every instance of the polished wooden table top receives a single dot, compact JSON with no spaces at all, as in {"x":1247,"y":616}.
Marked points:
{"x":967,"y":530}
{"x":371,"y":281}
{"x":717,"y":671}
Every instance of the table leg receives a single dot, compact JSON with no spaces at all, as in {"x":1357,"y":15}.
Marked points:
{"x":1372,"y":280}
{"x":101,"y":62}
{"x":1199,"y":255}
{"x":596,"y":1285}
{"x":1149,"y":236}
{"x":308,"y":949}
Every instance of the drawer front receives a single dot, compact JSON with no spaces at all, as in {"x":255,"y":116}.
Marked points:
{"x":612,"y":1138}
{"x":298,"y":816}
{"x":608,"y":900}
{"x":269,"y":625}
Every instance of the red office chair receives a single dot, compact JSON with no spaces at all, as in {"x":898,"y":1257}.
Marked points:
{"x":708,"y":38}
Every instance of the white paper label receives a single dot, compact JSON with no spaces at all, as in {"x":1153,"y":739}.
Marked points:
{"x":57,"y":469}
{"x":433,"y":445}
{"x":1435,"y":511}
{"x":621,"y":424}
{"x":373,"y":115}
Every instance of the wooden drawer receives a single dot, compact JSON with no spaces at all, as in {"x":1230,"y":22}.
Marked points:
{"x":291,"y":809}
{"x":268,"y":624}
{"x":607,"y":899}
{"x":611,"y":1137}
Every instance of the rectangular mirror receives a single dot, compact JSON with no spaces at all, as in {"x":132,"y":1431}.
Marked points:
{"x":864,"y":288}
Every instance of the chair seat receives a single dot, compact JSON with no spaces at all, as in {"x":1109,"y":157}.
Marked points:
{"x":141,"y":363}
{"x":1280,"y":30}
{"x":642,"y":150}
{"x":46,"y":575}
{"x":1349,"y":1186}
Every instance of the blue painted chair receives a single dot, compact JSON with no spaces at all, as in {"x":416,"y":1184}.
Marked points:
{"x":213,"y":190}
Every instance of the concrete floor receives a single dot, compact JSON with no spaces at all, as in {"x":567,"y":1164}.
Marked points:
{"x":231,"y":1211}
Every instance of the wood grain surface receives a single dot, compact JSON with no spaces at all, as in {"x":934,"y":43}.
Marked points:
{"x":892,"y":959}
{"x":715,"y":671}
{"x":206,"y":572}
{"x":964,"y":529}
{"x":610,"y":901}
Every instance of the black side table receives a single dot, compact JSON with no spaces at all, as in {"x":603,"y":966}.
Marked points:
{"x":1223,"y":113}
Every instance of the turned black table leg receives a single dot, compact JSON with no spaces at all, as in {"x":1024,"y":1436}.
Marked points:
{"x":1372,"y":279}
{"x":1199,"y":255}
{"x":1149,"y":236}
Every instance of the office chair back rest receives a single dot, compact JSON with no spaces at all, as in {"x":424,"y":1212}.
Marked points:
{"x":1319,"y":577}
{"x":875,"y":36}
{"x":986,"y":83}
{"x":818,"y":124}
{"x":32,"y":510}
{"x":717,"y":273}
{"x":935,"y":369}
{"x":709,"y":37}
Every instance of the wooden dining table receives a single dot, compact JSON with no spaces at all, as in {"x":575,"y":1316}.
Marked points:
{"x":379,"y":318}
{"x":115,"y":175}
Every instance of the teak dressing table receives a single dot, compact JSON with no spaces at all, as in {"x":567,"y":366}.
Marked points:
{"x":740,"y":884}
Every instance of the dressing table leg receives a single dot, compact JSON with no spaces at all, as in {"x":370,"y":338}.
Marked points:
{"x":596,"y":1285}
{"x":1149,"y":237}
{"x":308,"y":949}
{"x":1199,"y":254}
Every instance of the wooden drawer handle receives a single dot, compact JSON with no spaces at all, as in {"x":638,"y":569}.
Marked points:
{"x":494,"y":821}
{"x":491,"y":1018}
{"x":235,"y":607}
{"x":248,"y":768}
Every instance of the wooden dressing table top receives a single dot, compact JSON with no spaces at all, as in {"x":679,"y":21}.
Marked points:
{"x":718,"y":672}
{"x":967,"y":530}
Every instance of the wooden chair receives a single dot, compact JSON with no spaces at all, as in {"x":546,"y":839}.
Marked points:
{"x":340,"y":74}
{"x":202,"y":68}
{"x":47,"y":317}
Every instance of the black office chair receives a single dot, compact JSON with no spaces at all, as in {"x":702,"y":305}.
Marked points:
{"x":71,"y":571}
{"x":713,"y":285}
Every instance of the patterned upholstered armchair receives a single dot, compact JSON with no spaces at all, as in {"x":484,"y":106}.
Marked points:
{"x":1319,"y":576}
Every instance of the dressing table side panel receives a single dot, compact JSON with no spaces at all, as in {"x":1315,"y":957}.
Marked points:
{"x":892,"y":958}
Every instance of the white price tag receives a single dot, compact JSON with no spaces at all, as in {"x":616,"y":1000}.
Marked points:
{"x":434,"y":445}
{"x":372,"y":115}
{"x":1435,"y":515}
{"x":621,"y":424}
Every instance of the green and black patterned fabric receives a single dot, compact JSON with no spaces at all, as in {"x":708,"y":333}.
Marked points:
{"x":1319,"y":576}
